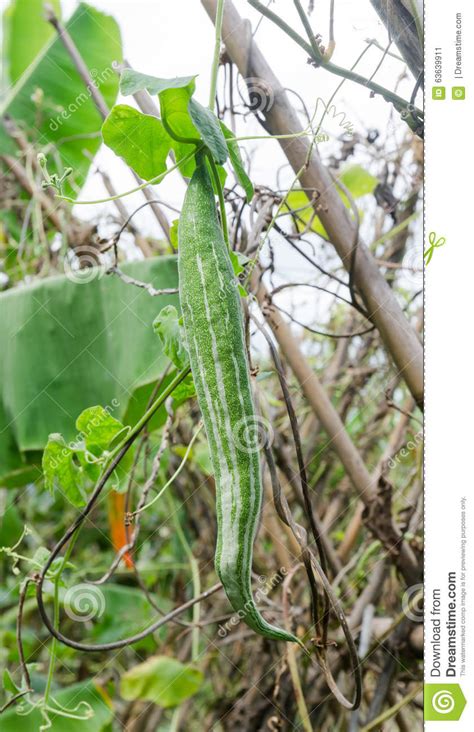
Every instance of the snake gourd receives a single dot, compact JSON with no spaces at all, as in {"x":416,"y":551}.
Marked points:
{"x":213,"y":322}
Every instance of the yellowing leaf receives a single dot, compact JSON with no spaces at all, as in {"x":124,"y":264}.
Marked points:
{"x":358,"y":181}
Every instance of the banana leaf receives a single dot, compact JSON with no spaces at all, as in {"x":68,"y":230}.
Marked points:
{"x":67,"y":346}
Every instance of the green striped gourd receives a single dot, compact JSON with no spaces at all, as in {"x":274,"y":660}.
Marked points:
{"x":214,"y":329}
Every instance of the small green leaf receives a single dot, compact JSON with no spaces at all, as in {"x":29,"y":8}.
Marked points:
{"x":358,"y":180}
{"x":298,"y":201}
{"x":100,"y":431}
{"x":8,"y":683}
{"x":174,"y":233}
{"x":236,"y":264}
{"x":208,"y":125}
{"x":168,"y":329}
{"x":239,"y":261}
{"x":41,"y":556}
{"x":237,"y":162}
{"x":243,"y":259}
{"x":162,"y":680}
{"x":184,"y":391}
{"x":57,"y":565}
{"x":139,"y":139}
{"x":61,"y":472}
{"x":97,"y":428}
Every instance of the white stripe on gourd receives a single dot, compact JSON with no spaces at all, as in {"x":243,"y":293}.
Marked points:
{"x":213,"y":322}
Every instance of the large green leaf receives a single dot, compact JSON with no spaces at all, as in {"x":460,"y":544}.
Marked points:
{"x":162,"y":680}
{"x":68,"y":346}
{"x":77,"y":694}
{"x":183,"y":117}
{"x":174,"y":95}
{"x":50,"y":100}
{"x":26,"y":31}
{"x":137,"y":138}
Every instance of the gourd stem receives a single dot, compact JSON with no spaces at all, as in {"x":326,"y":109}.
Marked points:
{"x":217,"y":50}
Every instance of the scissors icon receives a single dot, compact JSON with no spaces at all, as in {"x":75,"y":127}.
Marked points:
{"x":434,"y":244}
